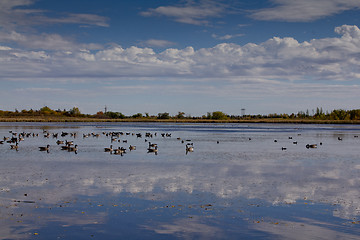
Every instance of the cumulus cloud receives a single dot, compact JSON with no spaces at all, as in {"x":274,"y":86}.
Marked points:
{"x":192,"y":12}
{"x":304,"y":10}
{"x":275,"y":59}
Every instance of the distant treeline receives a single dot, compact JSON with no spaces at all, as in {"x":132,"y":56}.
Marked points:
{"x":318,"y":114}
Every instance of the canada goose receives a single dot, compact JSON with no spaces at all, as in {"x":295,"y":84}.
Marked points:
{"x":339,"y":138}
{"x":132,"y":147}
{"x":189,"y":147}
{"x":119,"y":150}
{"x":58,"y":142}
{"x":16,"y":146}
{"x":155,"y":149}
{"x":311,"y":145}
{"x":66,"y":147}
{"x":283,"y":148}
{"x":152,"y":145}
{"x":109,"y":149}
{"x":72,"y":149}
{"x":44,"y":148}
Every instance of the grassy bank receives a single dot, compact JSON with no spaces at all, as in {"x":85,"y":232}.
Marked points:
{"x":266,"y":120}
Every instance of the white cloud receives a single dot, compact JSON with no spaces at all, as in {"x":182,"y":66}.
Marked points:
{"x":190,"y":13}
{"x":158,"y":43}
{"x":226,"y":37}
{"x":12,"y":17}
{"x":275,"y":59}
{"x":304,"y":10}
{"x":4,"y":48}
{"x":44,"y":41}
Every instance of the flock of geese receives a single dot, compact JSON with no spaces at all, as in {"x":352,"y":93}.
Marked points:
{"x":69,"y":146}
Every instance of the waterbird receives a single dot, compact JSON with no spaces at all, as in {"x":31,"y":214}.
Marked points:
{"x":44,"y":148}
{"x":58,"y":142}
{"x":152,"y":145}
{"x":108,"y":149}
{"x":72,"y":149}
{"x":119,"y":150}
{"x":155,"y":149}
{"x":66,"y":147}
{"x":132,"y":147}
{"x":16,"y":146}
{"x":189,"y":147}
{"x":311,"y":146}
{"x":339,"y":138}
{"x":283,"y":148}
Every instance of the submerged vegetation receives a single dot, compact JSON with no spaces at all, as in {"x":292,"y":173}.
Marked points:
{"x":74,"y":114}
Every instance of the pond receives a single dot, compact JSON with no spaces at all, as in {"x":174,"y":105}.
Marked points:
{"x":239,"y":181}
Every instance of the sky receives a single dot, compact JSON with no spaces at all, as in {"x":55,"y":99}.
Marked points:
{"x":193,"y":56}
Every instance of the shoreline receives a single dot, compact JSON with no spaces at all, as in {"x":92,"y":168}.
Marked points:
{"x":273,"y":120}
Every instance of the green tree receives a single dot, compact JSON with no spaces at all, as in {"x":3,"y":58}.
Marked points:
{"x":46,"y":110}
{"x":75,"y":112}
{"x":164,"y":115}
{"x":138,"y":115}
{"x":115,"y":115}
{"x":218,"y":115}
{"x":180,"y":115}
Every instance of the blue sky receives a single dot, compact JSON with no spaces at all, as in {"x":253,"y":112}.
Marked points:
{"x":195,"y":56}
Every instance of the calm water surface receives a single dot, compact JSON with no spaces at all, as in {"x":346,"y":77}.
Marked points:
{"x":244,"y":187}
